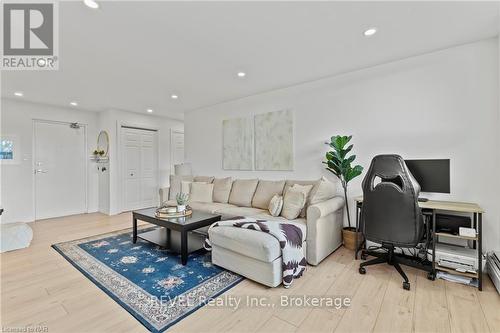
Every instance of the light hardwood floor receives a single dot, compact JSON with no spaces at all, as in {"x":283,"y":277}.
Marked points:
{"x":39,"y":287}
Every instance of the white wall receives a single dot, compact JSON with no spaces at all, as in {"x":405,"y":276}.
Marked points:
{"x":17,"y":179}
{"x":498,"y":130}
{"x":111,"y":121}
{"x":439,"y":105}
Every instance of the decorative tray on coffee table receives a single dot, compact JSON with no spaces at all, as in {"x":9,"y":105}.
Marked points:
{"x":171,"y":212}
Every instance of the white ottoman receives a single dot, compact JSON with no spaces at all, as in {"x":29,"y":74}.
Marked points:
{"x":255,"y":255}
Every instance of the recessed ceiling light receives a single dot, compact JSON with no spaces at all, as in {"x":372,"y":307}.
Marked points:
{"x":370,"y":32}
{"x":149,"y":110}
{"x":19,"y":93}
{"x":174,"y":96}
{"x":91,"y":3}
{"x":74,"y":103}
{"x":241,"y":74}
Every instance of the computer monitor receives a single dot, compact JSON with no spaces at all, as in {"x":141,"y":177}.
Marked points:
{"x":432,"y":175}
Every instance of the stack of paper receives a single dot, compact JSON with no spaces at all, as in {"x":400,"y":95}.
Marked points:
{"x":456,"y":278}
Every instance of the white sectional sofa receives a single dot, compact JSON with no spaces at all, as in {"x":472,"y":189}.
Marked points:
{"x":257,"y":255}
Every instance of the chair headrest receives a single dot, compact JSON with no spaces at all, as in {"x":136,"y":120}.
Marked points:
{"x":390,"y":170}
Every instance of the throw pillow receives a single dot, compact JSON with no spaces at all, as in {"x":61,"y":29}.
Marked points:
{"x":276,"y":205}
{"x":324,"y":191}
{"x":204,"y":179}
{"x":222,"y":189}
{"x":175,"y":185}
{"x":293,"y":203}
{"x":313,"y":183}
{"x":185,"y":187}
{"x":242,"y":192}
{"x":266,"y":189}
{"x":306,"y":189}
{"x":201,"y":192}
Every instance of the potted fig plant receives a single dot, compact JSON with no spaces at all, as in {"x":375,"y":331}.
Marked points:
{"x":340,"y":164}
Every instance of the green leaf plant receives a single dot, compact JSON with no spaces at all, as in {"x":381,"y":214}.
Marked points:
{"x":182,"y":198}
{"x":340,"y":164}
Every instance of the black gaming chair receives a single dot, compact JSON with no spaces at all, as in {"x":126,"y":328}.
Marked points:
{"x":390,"y":214}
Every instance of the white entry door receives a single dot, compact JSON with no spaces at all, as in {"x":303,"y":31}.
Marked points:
{"x":60,"y":168}
{"x":140,"y":168}
{"x":176,"y":148}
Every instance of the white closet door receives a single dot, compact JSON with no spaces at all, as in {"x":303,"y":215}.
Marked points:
{"x":176,"y":148}
{"x":60,"y":170}
{"x":131,"y":158}
{"x":149,"y":168}
{"x":140,"y":161}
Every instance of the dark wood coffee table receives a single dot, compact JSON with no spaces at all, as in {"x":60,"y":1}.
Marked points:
{"x":181,"y":225}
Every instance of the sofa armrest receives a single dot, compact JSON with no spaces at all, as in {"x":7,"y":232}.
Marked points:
{"x":164,"y":194}
{"x":324,"y":228}
{"x":324,"y":208}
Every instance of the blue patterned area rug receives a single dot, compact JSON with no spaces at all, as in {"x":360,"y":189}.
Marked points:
{"x":148,"y":282}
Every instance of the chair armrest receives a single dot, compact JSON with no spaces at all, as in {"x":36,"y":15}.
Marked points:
{"x":324,"y":208}
{"x":324,"y":228}
{"x":164,"y":194}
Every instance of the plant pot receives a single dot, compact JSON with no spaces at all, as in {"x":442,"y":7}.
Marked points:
{"x":349,"y":236}
{"x":181,"y":208}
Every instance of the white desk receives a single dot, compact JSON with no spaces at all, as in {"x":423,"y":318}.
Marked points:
{"x":452,"y":206}
{"x":429,"y":208}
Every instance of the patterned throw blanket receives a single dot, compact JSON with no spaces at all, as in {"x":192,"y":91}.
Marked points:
{"x":289,"y":236}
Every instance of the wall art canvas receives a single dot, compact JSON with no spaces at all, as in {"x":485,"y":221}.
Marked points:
{"x":274,"y":141}
{"x":237,"y":144}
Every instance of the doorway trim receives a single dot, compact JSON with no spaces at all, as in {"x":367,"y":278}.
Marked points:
{"x":119,"y":157}
{"x":33,"y":160}
{"x":172,"y":132}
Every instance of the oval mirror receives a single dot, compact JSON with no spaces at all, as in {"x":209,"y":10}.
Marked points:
{"x":103,"y":143}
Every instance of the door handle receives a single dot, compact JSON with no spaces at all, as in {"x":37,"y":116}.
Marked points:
{"x":40,"y":171}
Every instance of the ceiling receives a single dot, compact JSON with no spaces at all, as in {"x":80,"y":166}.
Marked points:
{"x":134,"y":55}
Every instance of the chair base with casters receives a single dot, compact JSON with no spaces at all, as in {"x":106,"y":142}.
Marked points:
{"x":389,"y":257}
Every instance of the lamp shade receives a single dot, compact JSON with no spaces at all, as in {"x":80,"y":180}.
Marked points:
{"x":183,"y":169}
